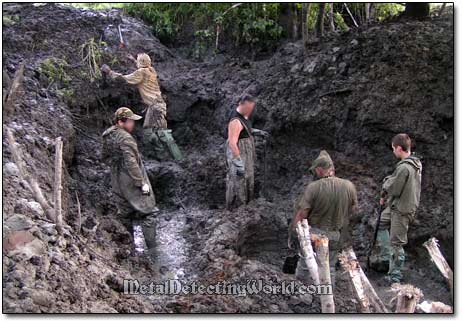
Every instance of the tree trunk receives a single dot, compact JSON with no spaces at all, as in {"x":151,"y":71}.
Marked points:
{"x":321,"y":245}
{"x":304,"y":238}
{"x":305,"y":22}
{"x":434,"y":250}
{"x":295,"y":22}
{"x":367,"y":8}
{"x":365,"y":293}
{"x":320,"y":20}
{"x":331,"y":17}
{"x":417,"y":10}
{"x":407,"y":297}
{"x":58,"y":185}
{"x":286,"y":17}
{"x":440,"y":12}
{"x":13,"y":91}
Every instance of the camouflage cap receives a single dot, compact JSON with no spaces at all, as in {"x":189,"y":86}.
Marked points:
{"x":322,"y":161}
{"x":125,"y":112}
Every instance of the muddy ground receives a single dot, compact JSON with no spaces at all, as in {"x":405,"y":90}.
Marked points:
{"x":349,"y":94}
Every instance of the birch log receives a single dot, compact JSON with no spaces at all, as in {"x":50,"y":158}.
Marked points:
{"x":304,"y":238}
{"x":407,"y":297}
{"x":434,"y":250}
{"x":365,"y":293}
{"x":58,"y":186}
{"x":321,"y":245}
{"x":433,"y":307}
{"x":353,"y":269}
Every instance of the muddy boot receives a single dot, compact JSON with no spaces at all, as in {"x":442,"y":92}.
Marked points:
{"x":167,"y":139}
{"x":148,"y":225}
{"x":152,"y":145}
{"x":396,"y":265}
{"x":381,"y":254}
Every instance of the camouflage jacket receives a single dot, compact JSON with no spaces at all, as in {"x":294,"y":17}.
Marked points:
{"x":120,"y":151}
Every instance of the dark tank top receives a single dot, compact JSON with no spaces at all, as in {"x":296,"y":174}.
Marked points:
{"x":246,"y":123}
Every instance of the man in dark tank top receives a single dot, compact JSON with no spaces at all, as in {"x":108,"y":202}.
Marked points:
{"x":240,"y":153}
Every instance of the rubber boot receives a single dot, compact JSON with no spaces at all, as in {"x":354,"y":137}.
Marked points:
{"x":166,"y":137}
{"x":396,"y":264}
{"x":381,"y":254}
{"x":148,"y":225}
{"x":153,"y":146}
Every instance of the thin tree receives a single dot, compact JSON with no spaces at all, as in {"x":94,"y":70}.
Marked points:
{"x":320,"y":20}
{"x":306,"y":6}
{"x":331,"y":17}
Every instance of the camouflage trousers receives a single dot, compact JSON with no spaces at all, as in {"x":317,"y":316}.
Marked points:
{"x":156,"y":115}
{"x":128,"y":217}
{"x":240,"y":189}
{"x":391,"y":238}
{"x":303,"y":274}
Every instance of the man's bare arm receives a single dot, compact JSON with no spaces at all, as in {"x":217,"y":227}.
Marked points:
{"x":234,"y":129}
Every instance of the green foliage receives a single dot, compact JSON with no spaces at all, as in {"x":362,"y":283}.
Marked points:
{"x":386,"y":10}
{"x":54,"y":69}
{"x":248,"y":23}
{"x":91,"y":53}
{"x":202,"y":43}
{"x":97,"y":5}
{"x":9,"y":20}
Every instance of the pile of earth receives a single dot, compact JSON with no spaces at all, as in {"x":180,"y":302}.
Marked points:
{"x":349,"y":94}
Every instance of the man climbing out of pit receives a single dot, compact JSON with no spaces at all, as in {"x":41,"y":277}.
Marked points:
{"x":240,"y":153}
{"x":156,"y":135}
{"x":130,"y":184}
{"x":327,"y":203}
{"x":401,"y":197}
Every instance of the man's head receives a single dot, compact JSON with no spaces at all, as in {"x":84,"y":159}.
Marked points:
{"x":143,"y":60}
{"x":323,"y":166}
{"x":125,"y":118}
{"x":246,"y":104}
{"x":401,"y":145}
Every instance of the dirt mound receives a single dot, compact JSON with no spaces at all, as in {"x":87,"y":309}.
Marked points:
{"x":349,"y":95}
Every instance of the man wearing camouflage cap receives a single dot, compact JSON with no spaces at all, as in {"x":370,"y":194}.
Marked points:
{"x":327,"y":203}
{"x":130,"y":183}
{"x":155,"y":132}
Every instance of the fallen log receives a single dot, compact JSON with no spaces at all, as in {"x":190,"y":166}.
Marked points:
{"x":434,"y":250}
{"x":58,"y":186}
{"x":433,"y":307}
{"x":306,"y":249}
{"x":407,"y":297}
{"x":321,"y":245}
{"x":30,"y":182}
{"x":364,"y":292}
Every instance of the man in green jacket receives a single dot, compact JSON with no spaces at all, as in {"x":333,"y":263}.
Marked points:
{"x":130,"y":183}
{"x":328,"y":203}
{"x":401,"y":196}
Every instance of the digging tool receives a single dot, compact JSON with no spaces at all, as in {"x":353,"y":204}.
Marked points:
{"x":375,"y":236}
{"x":121,"y":38}
{"x":265,"y":166}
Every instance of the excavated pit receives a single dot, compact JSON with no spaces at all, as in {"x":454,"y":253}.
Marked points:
{"x":197,"y":238}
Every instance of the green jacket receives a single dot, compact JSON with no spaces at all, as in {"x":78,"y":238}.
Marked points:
{"x":403,"y":186}
{"x":120,"y":151}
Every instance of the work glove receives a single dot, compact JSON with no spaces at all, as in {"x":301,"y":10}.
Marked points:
{"x":239,"y":166}
{"x":260,"y":133}
{"x":105,"y":68}
{"x":145,"y":189}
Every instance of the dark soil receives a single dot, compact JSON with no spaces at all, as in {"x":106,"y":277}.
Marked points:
{"x":349,"y":94}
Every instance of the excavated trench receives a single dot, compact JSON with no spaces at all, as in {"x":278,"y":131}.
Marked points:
{"x":190,"y":194}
